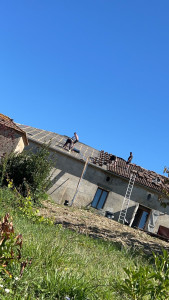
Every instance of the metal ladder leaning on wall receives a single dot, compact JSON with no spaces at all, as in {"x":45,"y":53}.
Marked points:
{"x":123,"y":212}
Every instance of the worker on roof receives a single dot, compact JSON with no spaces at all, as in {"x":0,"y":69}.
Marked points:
{"x":129,"y":158}
{"x":75,"y":138}
{"x":71,"y":142}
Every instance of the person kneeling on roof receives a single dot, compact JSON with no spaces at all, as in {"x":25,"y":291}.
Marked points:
{"x":71,"y":142}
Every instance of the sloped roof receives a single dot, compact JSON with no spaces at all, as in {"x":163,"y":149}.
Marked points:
{"x":7,"y":122}
{"x":57,"y":141}
{"x":144,"y":177}
{"x":99,"y":158}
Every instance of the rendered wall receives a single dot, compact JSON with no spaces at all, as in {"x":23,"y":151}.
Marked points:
{"x":67,"y":171}
{"x":19,"y":145}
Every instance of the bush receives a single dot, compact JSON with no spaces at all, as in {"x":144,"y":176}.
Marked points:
{"x":29,"y":172}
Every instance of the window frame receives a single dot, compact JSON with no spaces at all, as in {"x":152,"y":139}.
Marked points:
{"x":142,"y":209}
{"x":102,"y":190}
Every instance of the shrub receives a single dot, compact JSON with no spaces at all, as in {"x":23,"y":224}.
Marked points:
{"x":30,"y":172}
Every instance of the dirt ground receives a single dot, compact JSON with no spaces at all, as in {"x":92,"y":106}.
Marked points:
{"x":90,"y":223}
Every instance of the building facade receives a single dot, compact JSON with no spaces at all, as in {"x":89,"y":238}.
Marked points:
{"x":88,"y":177}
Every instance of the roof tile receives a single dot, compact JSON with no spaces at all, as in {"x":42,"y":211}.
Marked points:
{"x":143,"y":176}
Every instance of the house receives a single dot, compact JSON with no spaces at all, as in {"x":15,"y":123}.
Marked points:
{"x":12,"y":137}
{"x":88,"y":177}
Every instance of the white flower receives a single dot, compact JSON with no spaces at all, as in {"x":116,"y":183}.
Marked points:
{"x":7,"y":291}
{"x":1,"y":285}
{"x":16,"y":278}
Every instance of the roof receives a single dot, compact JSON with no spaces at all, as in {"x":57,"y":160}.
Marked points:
{"x":144,"y":177}
{"x":101,"y":159}
{"x":57,"y":141}
{"x":7,"y":122}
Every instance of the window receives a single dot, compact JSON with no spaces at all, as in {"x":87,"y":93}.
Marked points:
{"x":141,"y":217}
{"x":99,"y":198}
{"x":163,"y":231}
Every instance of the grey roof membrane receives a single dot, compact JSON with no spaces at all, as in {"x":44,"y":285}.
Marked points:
{"x":57,"y":141}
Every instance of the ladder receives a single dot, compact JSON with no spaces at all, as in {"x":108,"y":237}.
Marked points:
{"x":123,"y":212}
{"x":80,"y":180}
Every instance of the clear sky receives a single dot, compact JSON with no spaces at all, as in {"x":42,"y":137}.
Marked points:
{"x":100,"y":68}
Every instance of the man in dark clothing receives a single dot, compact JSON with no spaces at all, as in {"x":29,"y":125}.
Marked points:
{"x":71,"y":142}
{"x":129,"y":158}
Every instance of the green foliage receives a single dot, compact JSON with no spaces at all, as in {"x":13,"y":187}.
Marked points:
{"x":147,"y":282}
{"x":68,"y":264}
{"x":26,"y":207}
{"x":30,"y":172}
{"x":137,"y":285}
{"x":65,"y":263}
{"x":161,"y":276}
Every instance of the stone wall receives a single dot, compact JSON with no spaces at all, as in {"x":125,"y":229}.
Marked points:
{"x":10,"y":141}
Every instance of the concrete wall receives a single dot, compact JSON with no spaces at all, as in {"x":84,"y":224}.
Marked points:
{"x":67,"y":171}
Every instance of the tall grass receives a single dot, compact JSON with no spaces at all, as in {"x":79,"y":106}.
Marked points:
{"x":64,"y":263}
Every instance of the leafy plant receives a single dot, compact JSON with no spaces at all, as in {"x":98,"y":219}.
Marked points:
{"x":25,"y":205}
{"x":137,"y":285}
{"x":161,"y":276}
{"x":30,"y":172}
{"x":146,"y":283}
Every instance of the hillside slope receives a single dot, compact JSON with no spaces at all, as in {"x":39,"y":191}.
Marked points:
{"x":90,"y":223}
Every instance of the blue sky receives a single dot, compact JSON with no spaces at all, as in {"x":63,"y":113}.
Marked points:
{"x":100,"y":68}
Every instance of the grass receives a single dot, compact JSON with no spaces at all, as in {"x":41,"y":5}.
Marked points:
{"x":64,"y":263}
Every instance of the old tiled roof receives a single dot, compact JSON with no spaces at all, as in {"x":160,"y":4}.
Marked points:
{"x":99,"y":158}
{"x":119,"y":167}
{"x":7,"y":122}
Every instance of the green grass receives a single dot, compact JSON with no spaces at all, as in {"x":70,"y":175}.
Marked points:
{"x":64,"y":263}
